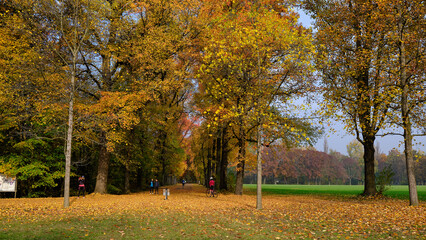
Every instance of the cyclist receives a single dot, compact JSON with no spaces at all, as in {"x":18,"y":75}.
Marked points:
{"x":211,"y":186}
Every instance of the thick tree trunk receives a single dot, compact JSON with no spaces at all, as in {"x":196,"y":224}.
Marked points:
{"x":209,"y":164}
{"x":240,"y":177}
{"x":224,"y":166}
{"x":412,"y":187}
{"x":370,"y":177}
{"x":214,"y":160}
{"x":161,"y":147}
{"x":103,"y":167}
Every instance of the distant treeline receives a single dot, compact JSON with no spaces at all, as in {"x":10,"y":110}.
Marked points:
{"x":308,"y":166}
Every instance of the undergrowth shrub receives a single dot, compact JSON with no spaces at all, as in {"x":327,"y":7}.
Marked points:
{"x":384,"y":179}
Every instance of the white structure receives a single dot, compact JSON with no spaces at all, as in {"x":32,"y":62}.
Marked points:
{"x":8,"y":184}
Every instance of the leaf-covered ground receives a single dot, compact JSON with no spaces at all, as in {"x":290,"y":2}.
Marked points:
{"x":189,"y":214}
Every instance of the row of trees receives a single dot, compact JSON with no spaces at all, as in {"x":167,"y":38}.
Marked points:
{"x":95,"y":85}
{"x":131,"y":78}
{"x":123,"y":90}
{"x":309,"y":166}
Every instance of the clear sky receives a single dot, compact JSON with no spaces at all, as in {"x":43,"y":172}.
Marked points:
{"x":339,"y":140}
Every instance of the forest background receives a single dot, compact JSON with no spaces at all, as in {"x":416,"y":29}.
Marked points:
{"x":126,"y":91}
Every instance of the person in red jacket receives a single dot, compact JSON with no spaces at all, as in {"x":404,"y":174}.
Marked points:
{"x":211,"y":185}
{"x":81,"y":186}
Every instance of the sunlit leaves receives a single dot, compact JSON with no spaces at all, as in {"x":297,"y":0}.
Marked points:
{"x":120,"y":113}
{"x":252,"y":60}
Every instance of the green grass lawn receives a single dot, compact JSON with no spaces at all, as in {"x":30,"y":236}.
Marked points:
{"x":399,"y":191}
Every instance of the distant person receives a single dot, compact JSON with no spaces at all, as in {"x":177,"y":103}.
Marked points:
{"x":183,"y":183}
{"x":81,"y":187}
{"x":211,"y":185}
{"x":151,"y":187}
{"x":156,"y":185}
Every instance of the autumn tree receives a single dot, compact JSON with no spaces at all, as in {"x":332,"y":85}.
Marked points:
{"x":58,"y":28}
{"x":332,"y":170}
{"x":276,"y":163}
{"x":253,"y":63}
{"x":130,"y":78}
{"x":100,"y":71}
{"x":31,"y":114}
{"x":160,"y":61}
{"x":352,"y":62}
{"x":406,"y":23}
{"x":69,"y":22}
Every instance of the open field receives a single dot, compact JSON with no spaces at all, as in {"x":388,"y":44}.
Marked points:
{"x":189,"y":214}
{"x":396,"y":191}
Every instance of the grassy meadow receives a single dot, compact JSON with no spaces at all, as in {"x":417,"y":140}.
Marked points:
{"x":396,"y":191}
{"x":189,"y":214}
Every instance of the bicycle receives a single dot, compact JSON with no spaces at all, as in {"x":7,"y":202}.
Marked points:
{"x":213,"y":193}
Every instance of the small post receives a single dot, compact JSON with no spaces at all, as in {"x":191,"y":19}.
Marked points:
{"x":166,"y":193}
{"x":16,"y":186}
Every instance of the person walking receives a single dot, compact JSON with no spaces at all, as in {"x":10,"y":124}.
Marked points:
{"x":81,"y":186}
{"x":156,"y":186}
{"x":183,"y":183}
{"x":151,"y":187}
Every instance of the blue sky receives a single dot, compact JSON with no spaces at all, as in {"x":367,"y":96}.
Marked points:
{"x":339,"y":140}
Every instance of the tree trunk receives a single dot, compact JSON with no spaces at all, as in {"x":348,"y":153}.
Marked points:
{"x":412,"y":187}
{"x":259,"y":173}
{"x":224,"y":165}
{"x":103,"y":167}
{"x":69,"y":142}
{"x":406,"y":124}
{"x":219,"y":160}
{"x":370,"y":177}
{"x":206,"y":177}
{"x":240,"y":166}
{"x":214,"y":159}
{"x":209,"y":164}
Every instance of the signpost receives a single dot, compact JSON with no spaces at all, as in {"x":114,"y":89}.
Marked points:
{"x":8,"y":184}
